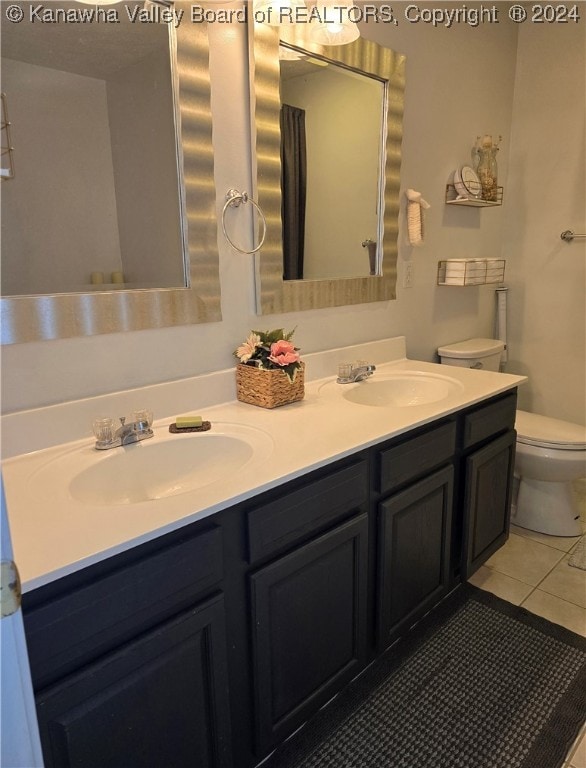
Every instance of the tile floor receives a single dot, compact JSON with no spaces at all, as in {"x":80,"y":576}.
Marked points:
{"x":532,"y":570}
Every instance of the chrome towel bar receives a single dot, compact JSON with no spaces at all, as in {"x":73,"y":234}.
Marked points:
{"x":568,"y":235}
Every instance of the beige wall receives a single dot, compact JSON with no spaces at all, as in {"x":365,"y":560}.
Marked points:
{"x":459,"y":84}
{"x":545,"y":196}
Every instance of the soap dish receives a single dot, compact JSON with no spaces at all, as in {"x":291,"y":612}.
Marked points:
{"x":205,"y":426}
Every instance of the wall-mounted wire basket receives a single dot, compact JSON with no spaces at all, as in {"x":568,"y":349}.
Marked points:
{"x":7,"y":166}
{"x":470,"y":271}
{"x":453,"y":198}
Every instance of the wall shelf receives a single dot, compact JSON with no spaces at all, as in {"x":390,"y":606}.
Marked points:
{"x":453,"y":198}
{"x":470,"y":271}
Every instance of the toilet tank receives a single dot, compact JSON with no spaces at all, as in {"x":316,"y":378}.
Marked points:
{"x":483,"y":354}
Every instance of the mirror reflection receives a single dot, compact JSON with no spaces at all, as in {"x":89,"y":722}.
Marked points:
{"x":380,"y":184}
{"x":332,"y":121}
{"x":95,"y":201}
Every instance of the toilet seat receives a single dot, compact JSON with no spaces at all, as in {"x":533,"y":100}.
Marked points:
{"x":544,"y":432}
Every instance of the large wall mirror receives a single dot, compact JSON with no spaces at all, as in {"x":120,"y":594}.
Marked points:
{"x":327,"y":129}
{"x":108,"y":223}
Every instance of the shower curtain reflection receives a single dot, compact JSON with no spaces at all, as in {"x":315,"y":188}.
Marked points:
{"x":293,"y":189}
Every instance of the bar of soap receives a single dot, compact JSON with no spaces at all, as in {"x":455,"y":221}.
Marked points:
{"x":188,"y":421}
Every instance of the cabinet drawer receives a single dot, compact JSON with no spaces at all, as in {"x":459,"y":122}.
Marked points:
{"x":489,"y":420}
{"x":416,"y":456}
{"x":92,"y":619}
{"x":296,"y":515}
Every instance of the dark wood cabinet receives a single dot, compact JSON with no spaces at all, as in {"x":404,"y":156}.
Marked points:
{"x":484,"y":482}
{"x":207,"y":647}
{"x":129,"y":661}
{"x":75,"y":620}
{"x":487,"y":495}
{"x":160,"y":700}
{"x":309,"y":628}
{"x":408,"y":458}
{"x":414,"y":476}
{"x":414,"y":552}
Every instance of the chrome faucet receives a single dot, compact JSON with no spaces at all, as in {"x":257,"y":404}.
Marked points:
{"x":127,"y":433}
{"x":352,"y":372}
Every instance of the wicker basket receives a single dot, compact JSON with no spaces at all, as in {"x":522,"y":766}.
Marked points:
{"x":268,"y":389}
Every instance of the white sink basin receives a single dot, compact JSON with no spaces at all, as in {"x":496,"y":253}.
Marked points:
{"x":163,"y":466}
{"x":398,"y":390}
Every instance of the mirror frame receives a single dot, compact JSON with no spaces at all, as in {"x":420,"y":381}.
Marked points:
{"x":67,"y":315}
{"x":274,"y":294}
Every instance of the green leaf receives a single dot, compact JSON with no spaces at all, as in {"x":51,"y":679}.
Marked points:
{"x":270,"y":337}
{"x":291,"y":371}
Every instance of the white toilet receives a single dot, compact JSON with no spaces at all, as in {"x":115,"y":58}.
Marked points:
{"x":550,"y":453}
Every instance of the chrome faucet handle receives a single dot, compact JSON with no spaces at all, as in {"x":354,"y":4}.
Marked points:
{"x":143,"y":418}
{"x":128,"y":432}
{"x":103,"y":429}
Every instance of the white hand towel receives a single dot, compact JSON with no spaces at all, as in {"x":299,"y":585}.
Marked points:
{"x":415,"y":205}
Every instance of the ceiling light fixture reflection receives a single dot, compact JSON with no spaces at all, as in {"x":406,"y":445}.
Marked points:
{"x":332,"y":23}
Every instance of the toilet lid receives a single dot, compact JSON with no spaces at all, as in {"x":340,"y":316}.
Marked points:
{"x":533,"y":429}
{"x":472,"y":348}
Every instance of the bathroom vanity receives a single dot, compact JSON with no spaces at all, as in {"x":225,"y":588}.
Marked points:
{"x":210,"y":643}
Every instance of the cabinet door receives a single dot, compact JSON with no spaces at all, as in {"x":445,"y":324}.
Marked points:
{"x":414,"y":552}
{"x":160,"y":700}
{"x":487,"y":501}
{"x":309,"y":628}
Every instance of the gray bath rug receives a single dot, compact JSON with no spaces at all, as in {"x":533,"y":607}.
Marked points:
{"x":578,"y":557}
{"x":479,"y":683}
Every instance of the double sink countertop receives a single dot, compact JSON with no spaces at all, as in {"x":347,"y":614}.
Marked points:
{"x":70,"y":506}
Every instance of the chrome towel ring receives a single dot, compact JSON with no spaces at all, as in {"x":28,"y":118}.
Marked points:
{"x":233,"y":200}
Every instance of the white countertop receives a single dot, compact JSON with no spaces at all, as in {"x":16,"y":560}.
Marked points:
{"x":54,"y":534}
